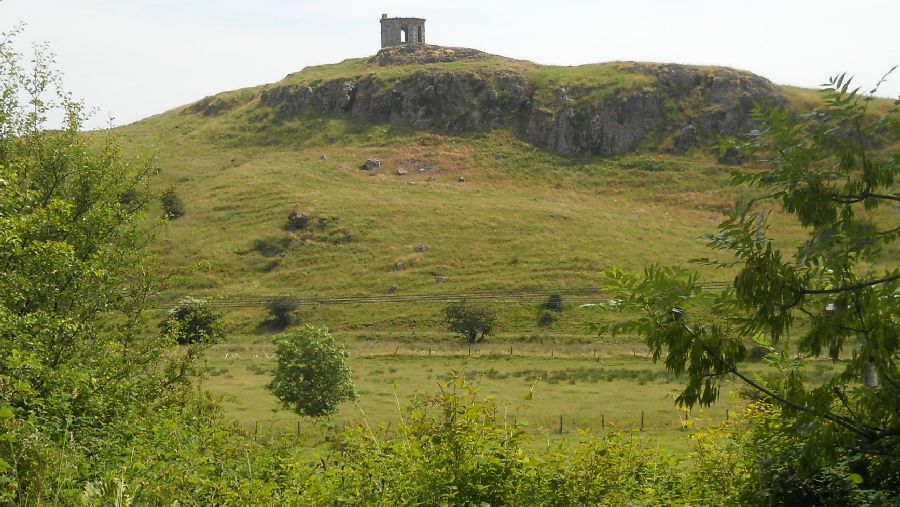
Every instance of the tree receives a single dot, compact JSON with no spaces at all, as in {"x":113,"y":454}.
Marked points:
{"x":834,"y":294}
{"x":193,"y":320}
{"x":173,"y":207}
{"x":472,"y":321}
{"x":281,"y":310}
{"x":75,"y":278}
{"x":311,"y":375}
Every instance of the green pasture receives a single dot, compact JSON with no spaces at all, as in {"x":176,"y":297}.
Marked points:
{"x":591,"y":386}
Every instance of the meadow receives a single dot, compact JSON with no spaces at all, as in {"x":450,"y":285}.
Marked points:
{"x":558,"y":390}
{"x":493,"y":213}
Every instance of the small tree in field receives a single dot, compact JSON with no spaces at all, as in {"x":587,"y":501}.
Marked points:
{"x":193,"y":321}
{"x":472,"y":321}
{"x":281,"y":311}
{"x":312,"y":376}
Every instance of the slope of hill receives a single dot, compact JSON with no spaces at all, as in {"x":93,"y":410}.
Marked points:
{"x":495,"y":175}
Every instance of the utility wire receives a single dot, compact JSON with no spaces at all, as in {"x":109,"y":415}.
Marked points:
{"x":582,"y":295}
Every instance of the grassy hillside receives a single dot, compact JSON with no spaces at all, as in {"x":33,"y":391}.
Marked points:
{"x":523,"y":218}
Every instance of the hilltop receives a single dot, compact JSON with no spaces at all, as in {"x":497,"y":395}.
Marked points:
{"x":495,"y":175}
{"x":599,"y":109}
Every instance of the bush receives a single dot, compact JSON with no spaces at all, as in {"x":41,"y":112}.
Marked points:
{"x":311,"y":375}
{"x":469,"y":320}
{"x":547,"y":318}
{"x":193,"y":321}
{"x":280,"y":309}
{"x":554,"y":303}
{"x":171,"y":204}
{"x":271,"y":246}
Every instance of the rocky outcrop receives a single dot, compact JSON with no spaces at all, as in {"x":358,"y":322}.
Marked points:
{"x":676,"y":104}
{"x":612,"y":126}
{"x":419,"y":54}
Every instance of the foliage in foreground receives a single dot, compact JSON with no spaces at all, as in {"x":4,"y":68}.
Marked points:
{"x":830,"y":170}
{"x":75,"y":275}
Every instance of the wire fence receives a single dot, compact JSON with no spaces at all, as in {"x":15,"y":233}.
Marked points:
{"x":577,"y":296}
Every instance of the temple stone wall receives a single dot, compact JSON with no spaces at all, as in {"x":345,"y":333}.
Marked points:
{"x":397,"y":31}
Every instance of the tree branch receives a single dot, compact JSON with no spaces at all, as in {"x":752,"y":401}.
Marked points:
{"x":853,"y":199}
{"x":848,"y":288}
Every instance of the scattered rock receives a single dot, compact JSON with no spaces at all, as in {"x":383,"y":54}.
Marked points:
{"x":402,"y":172}
{"x":399,"y":266}
{"x":323,"y":157}
{"x":323,"y":222}
{"x":440,"y":279}
{"x":732,"y":156}
{"x":298,"y":220}
{"x":432,"y":178}
{"x":462,"y":179}
{"x":371,"y":164}
{"x":392,"y":288}
{"x":419,"y":166}
{"x":422,"y":248}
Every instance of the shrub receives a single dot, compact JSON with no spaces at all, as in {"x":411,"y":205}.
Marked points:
{"x":311,"y":374}
{"x":280,"y":310}
{"x":554,"y":303}
{"x":547,"y":318}
{"x":271,"y":246}
{"x":171,"y":204}
{"x":469,"y":320}
{"x":193,"y":321}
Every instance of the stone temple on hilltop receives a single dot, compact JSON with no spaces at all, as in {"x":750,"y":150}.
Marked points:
{"x":397,"y":31}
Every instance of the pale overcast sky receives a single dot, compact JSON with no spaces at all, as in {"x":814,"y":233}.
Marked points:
{"x":134,"y":58}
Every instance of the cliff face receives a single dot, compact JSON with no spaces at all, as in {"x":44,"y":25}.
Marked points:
{"x":453,"y":90}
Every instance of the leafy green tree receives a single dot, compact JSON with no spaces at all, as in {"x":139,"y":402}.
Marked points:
{"x":173,"y":207}
{"x":833,"y":294}
{"x":75,"y":277}
{"x":193,"y":320}
{"x":281,"y":310}
{"x":312,"y":375}
{"x":472,"y":321}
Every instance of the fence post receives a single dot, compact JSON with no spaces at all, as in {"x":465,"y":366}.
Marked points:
{"x":510,"y":350}
{"x":560,"y":424}
{"x":602,"y":422}
{"x":470,"y":350}
{"x":642,"y":420}
{"x":298,"y":429}
{"x":429,"y":351}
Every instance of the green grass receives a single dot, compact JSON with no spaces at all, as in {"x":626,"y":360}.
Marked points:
{"x":523,"y":219}
{"x":588,"y":385}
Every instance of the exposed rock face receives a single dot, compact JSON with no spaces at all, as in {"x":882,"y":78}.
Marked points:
{"x":686,"y":104}
{"x":610,"y":127}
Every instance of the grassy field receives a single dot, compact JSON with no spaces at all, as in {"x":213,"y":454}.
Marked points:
{"x":591,"y":387}
{"x":495,"y":213}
